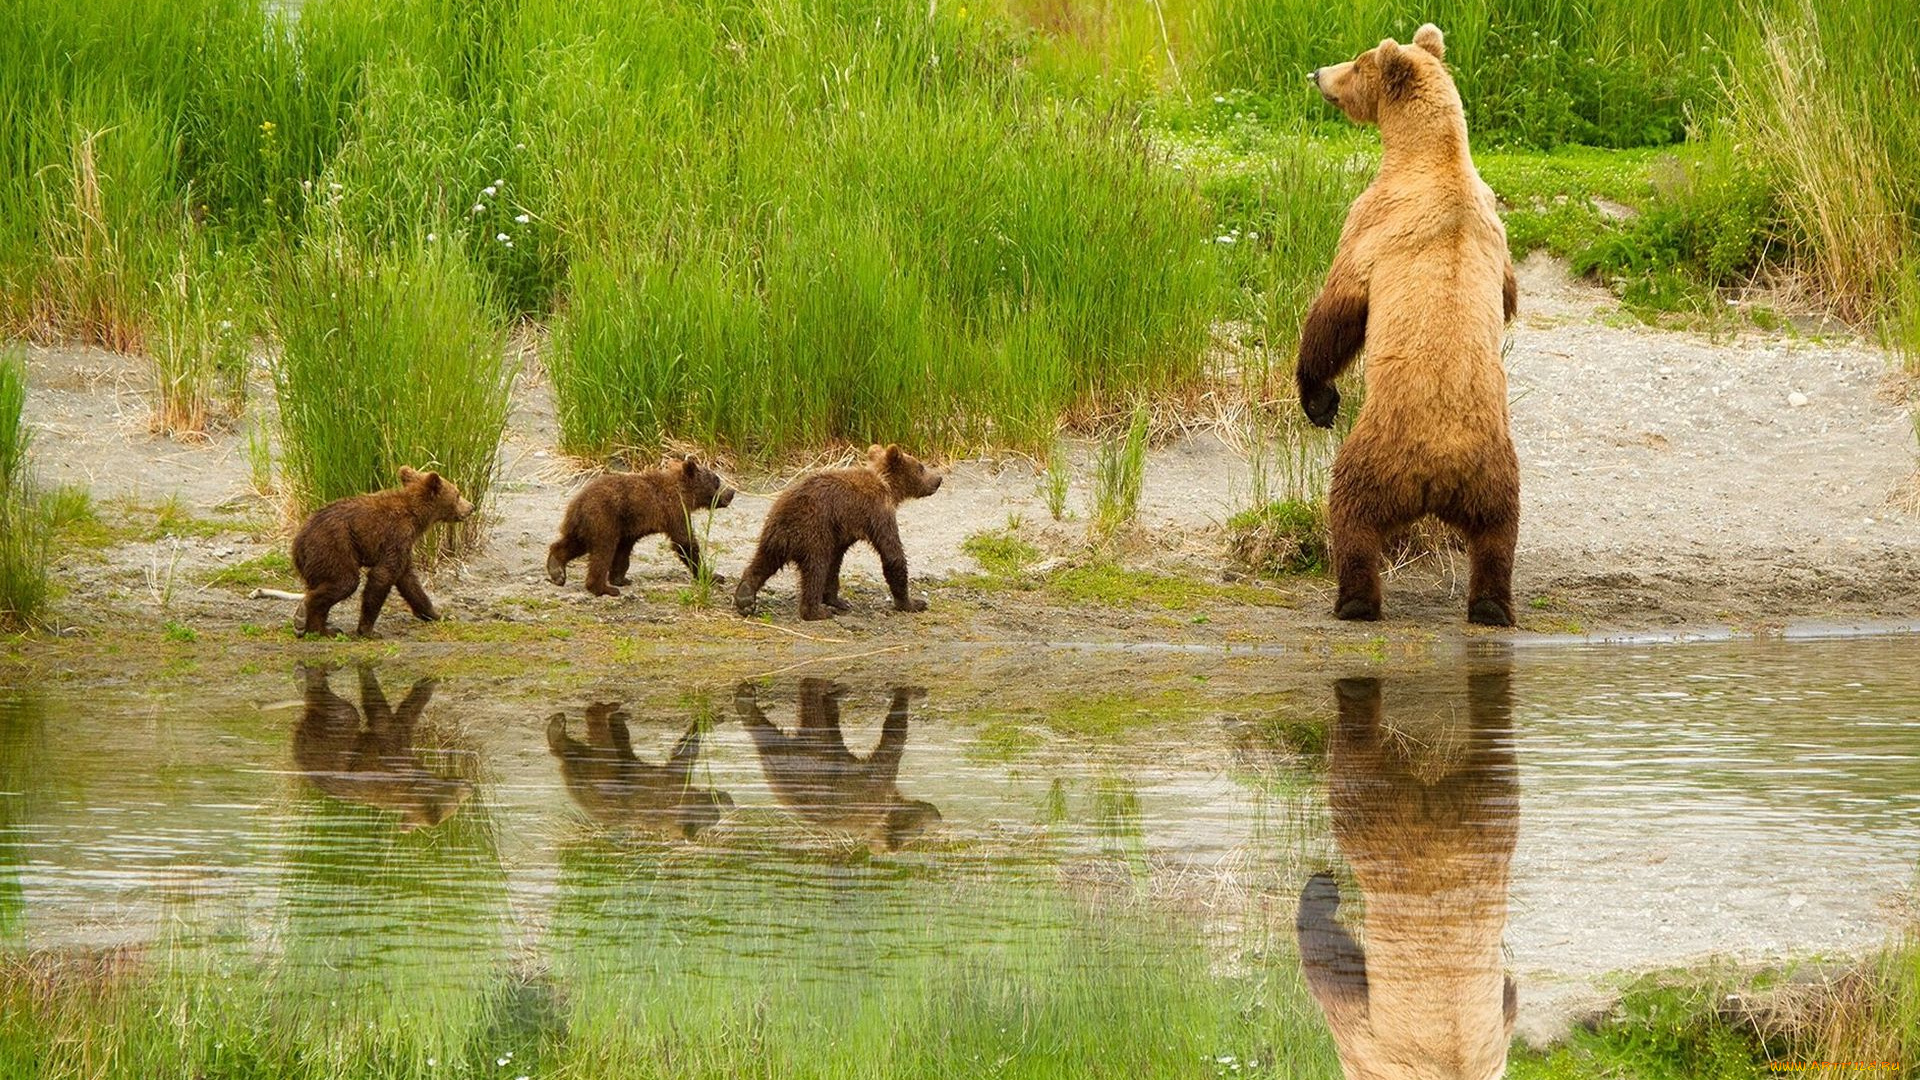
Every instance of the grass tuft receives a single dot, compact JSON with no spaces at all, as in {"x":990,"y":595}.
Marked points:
{"x":388,"y":359}
{"x":1118,"y":473}
{"x":1288,"y":536}
{"x":25,"y":532}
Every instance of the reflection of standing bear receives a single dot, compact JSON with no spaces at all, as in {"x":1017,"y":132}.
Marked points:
{"x":815,"y":776}
{"x":376,"y":531}
{"x":376,"y":766}
{"x":616,"y":788}
{"x":1426,"y":811}
{"x":1424,"y":281}
{"x":615,"y":510}
{"x":822,"y":514}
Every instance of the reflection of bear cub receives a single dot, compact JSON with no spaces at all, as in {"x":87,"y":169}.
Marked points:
{"x":1426,"y":811}
{"x":377,"y":765}
{"x":814,"y":774}
{"x":377,"y":531}
{"x":822,"y":514}
{"x":617,"y":788}
{"x":1424,"y":281}
{"x":617,"y":509}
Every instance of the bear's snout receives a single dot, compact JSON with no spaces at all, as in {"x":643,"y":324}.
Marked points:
{"x":721,"y":501}
{"x":461,"y":511}
{"x":934,"y":481}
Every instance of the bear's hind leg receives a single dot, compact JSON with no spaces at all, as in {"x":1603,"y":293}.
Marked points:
{"x":1490,"y":587}
{"x":814,"y":567}
{"x":1356,"y":559}
{"x":599,"y":567}
{"x":622,"y":557}
{"x":767,"y":561}
{"x":320,"y":600}
{"x":564,"y":550}
{"x":831,"y":598}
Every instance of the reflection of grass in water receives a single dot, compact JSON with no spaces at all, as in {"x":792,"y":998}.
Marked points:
{"x":713,"y":967}
{"x":392,"y":940}
{"x":666,"y":962}
{"x":21,"y":732}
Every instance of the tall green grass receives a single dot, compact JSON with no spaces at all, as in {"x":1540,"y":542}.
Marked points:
{"x":25,"y":532}
{"x":920,"y":247}
{"x":1531,"y":72}
{"x":1828,"y":124}
{"x":387,"y":358}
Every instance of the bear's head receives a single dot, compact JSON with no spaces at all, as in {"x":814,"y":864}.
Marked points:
{"x":1389,"y":75}
{"x":701,"y":487}
{"x":907,"y":476}
{"x":436,"y":493}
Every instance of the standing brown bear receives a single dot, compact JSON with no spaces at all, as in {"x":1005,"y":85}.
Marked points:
{"x":1423,"y":280}
{"x":617,"y":509}
{"x":376,"y":531}
{"x":816,"y":520}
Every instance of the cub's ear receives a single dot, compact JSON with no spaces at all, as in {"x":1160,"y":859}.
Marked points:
{"x":408,"y":474}
{"x":1429,"y":38}
{"x":1397,"y":74}
{"x":689,"y":466}
{"x":893,"y":453}
{"x":432,"y":481}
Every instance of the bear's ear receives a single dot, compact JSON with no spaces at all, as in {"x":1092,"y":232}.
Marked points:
{"x":689,"y":467}
{"x":408,"y":474}
{"x":893,"y":453}
{"x":1429,"y":38}
{"x":1397,"y":74}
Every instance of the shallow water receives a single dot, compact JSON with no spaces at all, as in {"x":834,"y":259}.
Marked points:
{"x":1051,"y":834}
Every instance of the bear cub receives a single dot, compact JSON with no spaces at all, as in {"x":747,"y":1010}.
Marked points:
{"x":377,"y":532}
{"x":815,"y":521}
{"x":617,"y":509}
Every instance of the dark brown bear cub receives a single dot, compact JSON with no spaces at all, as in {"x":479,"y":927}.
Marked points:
{"x":376,"y":531}
{"x":615,"y":510}
{"x":815,"y":521}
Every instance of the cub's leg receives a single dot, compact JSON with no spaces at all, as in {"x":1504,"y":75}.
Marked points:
{"x":768,"y":558}
{"x":814,"y":566}
{"x":416,"y":596}
{"x":622,"y":556}
{"x":564,"y":550}
{"x":832,"y":597}
{"x":321,"y":596}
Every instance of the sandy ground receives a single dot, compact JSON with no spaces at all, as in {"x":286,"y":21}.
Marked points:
{"x":1669,"y":481}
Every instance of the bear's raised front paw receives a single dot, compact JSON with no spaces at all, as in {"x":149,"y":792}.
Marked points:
{"x":1321,"y":404}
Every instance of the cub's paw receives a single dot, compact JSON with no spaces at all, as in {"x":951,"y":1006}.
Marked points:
{"x":621,"y":580}
{"x":1320,"y":403}
{"x":556,"y":569}
{"x":914,"y":603}
{"x":838,"y":604}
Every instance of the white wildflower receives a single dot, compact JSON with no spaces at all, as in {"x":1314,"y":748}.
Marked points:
{"x":522,"y":218}
{"x":431,"y":237}
{"x":490,"y":191}
{"x":479,"y":208}
{"x":502,"y":237}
